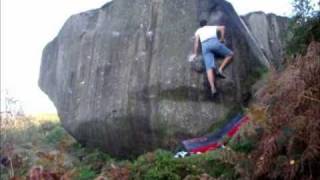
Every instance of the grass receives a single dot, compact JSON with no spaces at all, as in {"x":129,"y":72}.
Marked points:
{"x":86,"y":173}
{"x":32,"y":142}
{"x":26,"y":129}
{"x":41,"y":141}
{"x":162,"y":165}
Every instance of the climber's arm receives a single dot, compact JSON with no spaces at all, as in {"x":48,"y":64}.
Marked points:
{"x":221,"y":29}
{"x":196,"y":45}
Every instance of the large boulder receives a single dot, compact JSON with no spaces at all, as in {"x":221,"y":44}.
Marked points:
{"x":120,"y":79}
{"x":270,"y":32}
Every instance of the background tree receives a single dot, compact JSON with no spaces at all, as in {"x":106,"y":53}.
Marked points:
{"x":11,"y":107}
{"x":304,"y":26}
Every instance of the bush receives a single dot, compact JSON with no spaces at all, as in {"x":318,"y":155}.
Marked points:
{"x":162,"y":165}
{"x":289,"y":147}
{"x":85,"y":173}
{"x":55,"y":135}
{"x":244,"y":146}
{"x":218,"y":169}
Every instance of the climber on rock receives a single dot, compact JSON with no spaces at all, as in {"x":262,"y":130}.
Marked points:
{"x":212,"y":46}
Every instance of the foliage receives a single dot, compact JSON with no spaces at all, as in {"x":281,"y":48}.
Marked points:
{"x":244,"y":146}
{"x":290,"y":145}
{"x":85,"y":173}
{"x":55,"y":135}
{"x":304,"y":27}
{"x":38,"y":147}
{"x":156,"y":165}
{"x":11,"y":107}
{"x":49,"y":152}
{"x":303,"y":10}
{"x":162,"y":165}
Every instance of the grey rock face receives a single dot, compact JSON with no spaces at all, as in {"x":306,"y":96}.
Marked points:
{"x":120,"y":78}
{"x":269,"y":31}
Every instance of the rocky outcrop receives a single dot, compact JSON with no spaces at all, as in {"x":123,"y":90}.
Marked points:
{"x":269,"y":31}
{"x":120,"y":78}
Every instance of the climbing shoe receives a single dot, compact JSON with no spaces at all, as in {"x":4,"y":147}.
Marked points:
{"x":220,"y":74}
{"x":213,"y":91}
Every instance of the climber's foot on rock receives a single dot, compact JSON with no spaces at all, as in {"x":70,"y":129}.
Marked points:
{"x":220,"y":74}
{"x":213,"y":91}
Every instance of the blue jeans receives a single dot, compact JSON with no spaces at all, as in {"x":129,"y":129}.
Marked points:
{"x":212,"y":47}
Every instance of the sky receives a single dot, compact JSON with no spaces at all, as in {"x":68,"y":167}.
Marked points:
{"x":27,"y":26}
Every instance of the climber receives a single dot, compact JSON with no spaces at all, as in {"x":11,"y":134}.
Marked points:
{"x":212,"y":46}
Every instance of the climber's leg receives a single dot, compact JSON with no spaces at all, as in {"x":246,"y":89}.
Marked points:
{"x":210,"y":67}
{"x":226,"y":61}
{"x":223,"y":51}
{"x":211,"y":79}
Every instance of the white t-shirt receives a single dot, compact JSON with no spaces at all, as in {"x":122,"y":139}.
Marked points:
{"x":207,"y":32}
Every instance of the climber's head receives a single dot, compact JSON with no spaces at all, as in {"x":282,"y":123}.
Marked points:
{"x":203,"y":23}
